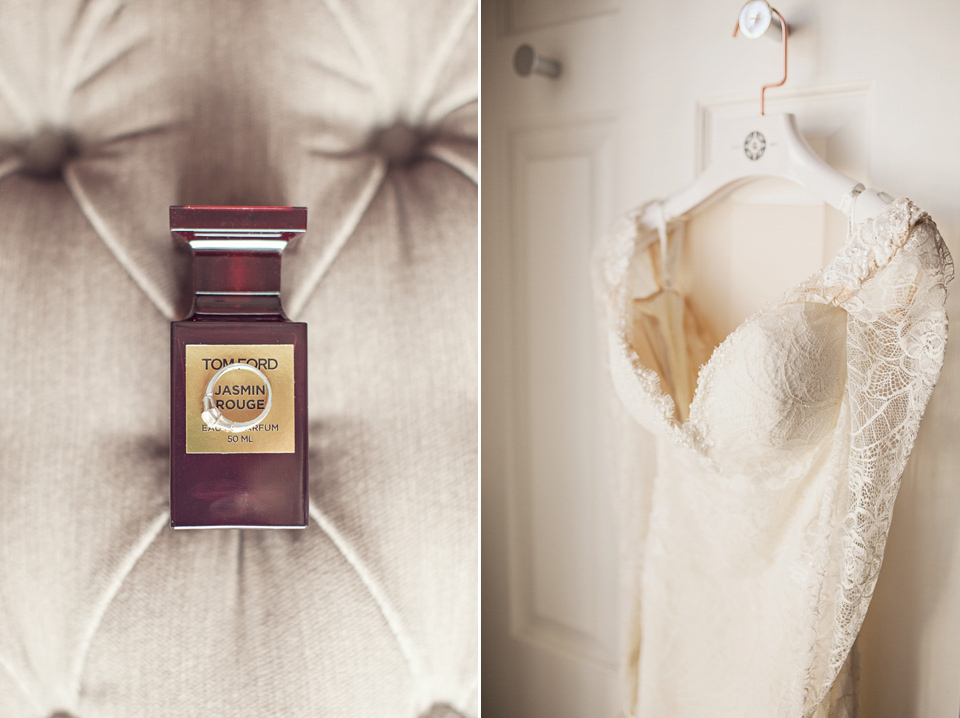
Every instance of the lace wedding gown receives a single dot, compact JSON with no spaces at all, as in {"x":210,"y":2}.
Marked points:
{"x":777,"y":466}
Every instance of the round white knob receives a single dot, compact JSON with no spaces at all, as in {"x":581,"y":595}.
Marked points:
{"x":755,"y":18}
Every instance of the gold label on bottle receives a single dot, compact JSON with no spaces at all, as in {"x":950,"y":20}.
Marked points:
{"x":240,"y":399}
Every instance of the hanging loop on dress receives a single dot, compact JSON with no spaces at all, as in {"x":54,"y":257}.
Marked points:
{"x":669,"y":255}
{"x":849,"y":202}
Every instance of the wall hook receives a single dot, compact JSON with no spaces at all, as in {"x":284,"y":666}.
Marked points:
{"x":526,"y":61}
{"x":755,"y":19}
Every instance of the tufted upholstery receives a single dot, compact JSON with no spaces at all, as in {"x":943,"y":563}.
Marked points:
{"x":365,"y":112}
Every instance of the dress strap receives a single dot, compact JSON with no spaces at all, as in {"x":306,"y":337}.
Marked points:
{"x":850,"y":200}
{"x":669,"y":256}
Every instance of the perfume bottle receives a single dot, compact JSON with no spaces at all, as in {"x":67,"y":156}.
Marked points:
{"x":238,"y":405}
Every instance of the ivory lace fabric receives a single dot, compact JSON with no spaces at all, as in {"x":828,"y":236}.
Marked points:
{"x":775,"y":487}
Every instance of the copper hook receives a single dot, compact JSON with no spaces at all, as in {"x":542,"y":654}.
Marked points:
{"x":785,"y":34}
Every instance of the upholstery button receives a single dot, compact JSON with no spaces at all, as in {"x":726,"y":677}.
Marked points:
{"x":45,"y":154}
{"x":441,"y":710}
{"x":61,"y":714}
{"x":399,"y":144}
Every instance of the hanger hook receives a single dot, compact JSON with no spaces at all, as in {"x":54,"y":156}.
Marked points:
{"x":755,"y":18}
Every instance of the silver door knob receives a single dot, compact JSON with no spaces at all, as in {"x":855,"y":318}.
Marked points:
{"x":526,"y":61}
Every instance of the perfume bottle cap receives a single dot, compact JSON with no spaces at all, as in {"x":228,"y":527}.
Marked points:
{"x":245,"y":229}
{"x":236,"y":252}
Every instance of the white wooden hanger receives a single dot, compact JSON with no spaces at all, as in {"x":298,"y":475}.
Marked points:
{"x":764,"y":146}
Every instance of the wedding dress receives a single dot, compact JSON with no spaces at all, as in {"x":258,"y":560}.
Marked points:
{"x":777,"y":466}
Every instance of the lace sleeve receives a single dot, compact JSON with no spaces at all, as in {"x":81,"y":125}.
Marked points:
{"x":892,"y":281}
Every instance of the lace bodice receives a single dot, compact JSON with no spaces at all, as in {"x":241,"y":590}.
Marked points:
{"x":772,"y":501}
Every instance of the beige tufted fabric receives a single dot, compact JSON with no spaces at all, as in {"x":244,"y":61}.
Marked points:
{"x":365,"y":111}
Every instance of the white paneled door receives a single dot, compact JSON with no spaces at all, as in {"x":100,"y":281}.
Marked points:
{"x":550,"y":157}
{"x":631,"y":117}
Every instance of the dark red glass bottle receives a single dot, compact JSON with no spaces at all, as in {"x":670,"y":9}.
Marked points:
{"x":238,"y":408}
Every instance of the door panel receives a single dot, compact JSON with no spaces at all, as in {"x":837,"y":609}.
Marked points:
{"x":562,"y":526}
